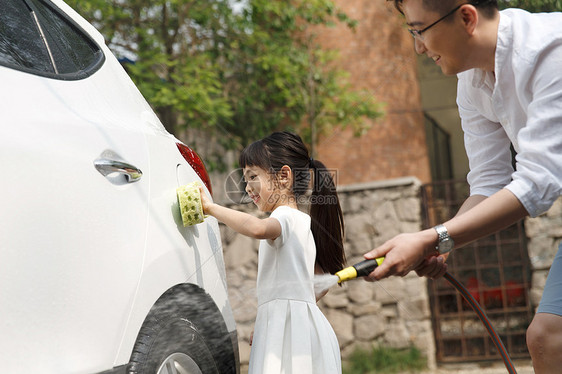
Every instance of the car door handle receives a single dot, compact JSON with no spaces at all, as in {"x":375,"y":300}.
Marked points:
{"x":107,"y":167}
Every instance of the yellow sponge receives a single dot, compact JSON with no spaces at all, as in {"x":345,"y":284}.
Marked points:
{"x":189,"y":199}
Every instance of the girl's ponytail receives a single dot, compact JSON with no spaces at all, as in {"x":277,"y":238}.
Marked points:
{"x":326,"y":220}
{"x":285,"y":148}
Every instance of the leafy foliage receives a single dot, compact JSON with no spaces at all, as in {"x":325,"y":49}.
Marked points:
{"x":175,"y":48}
{"x":533,"y":5}
{"x":287,"y":76}
{"x":385,"y":360}
{"x":245,"y":72}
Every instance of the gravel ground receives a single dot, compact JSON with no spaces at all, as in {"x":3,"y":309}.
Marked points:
{"x":522,"y":367}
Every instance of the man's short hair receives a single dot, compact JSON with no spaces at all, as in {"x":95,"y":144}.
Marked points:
{"x":487,"y":7}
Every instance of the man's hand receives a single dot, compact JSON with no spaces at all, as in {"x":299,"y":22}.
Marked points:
{"x":403,"y":253}
{"x":432,"y":267}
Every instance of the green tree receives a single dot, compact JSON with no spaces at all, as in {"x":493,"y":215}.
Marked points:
{"x":175,"y":48}
{"x":284,"y":79}
{"x":248,"y":72}
{"x":533,"y":5}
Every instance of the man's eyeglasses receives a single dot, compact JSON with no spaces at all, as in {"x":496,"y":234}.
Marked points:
{"x":418,"y":33}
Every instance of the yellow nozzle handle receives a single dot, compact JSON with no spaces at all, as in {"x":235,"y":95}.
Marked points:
{"x":346,"y":274}
{"x":360,"y":269}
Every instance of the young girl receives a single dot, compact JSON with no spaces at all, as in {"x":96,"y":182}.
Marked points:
{"x":291,"y":335}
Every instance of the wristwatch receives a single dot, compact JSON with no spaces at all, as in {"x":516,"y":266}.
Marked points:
{"x":444,"y":242}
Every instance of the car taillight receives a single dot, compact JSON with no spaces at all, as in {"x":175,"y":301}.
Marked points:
{"x":196,"y":163}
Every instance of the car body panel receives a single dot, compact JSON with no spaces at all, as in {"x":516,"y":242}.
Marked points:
{"x":202,"y":265}
{"x":83,"y":257}
{"x":69,"y":219}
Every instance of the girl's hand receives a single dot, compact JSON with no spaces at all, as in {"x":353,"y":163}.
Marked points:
{"x":206,"y":203}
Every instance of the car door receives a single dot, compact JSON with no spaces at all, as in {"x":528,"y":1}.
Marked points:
{"x":73,"y":193}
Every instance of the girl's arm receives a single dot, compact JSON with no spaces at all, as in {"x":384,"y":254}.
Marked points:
{"x":244,"y":223}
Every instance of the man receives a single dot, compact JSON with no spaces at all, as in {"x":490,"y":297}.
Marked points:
{"x":509,"y":66}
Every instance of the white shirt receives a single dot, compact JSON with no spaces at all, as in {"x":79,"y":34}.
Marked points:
{"x":286,"y":264}
{"x":521,"y":104}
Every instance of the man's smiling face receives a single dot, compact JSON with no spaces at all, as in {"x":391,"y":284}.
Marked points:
{"x":444,"y":41}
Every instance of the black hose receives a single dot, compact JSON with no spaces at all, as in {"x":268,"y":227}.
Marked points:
{"x":485,"y":321}
{"x":366,"y":267}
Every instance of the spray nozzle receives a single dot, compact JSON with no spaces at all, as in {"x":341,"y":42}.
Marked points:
{"x":360,"y":269}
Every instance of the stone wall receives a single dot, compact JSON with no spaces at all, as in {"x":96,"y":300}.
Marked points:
{"x":393,"y":312}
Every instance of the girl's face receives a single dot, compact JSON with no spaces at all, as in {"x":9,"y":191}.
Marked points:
{"x":263,"y":188}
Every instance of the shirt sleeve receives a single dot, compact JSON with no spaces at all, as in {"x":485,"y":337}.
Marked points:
{"x":537,"y":182}
{"x":487,"y":146}
{"x":285,"y":218}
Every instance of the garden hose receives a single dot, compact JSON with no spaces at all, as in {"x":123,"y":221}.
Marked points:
{"x":365,"y":267}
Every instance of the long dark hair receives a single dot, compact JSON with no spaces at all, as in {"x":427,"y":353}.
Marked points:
{"x":285,"y":148}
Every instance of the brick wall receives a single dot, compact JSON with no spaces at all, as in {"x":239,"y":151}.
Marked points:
{"x":380,"y":57}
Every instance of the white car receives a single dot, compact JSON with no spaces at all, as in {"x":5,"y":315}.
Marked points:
{"x":97,"y":271}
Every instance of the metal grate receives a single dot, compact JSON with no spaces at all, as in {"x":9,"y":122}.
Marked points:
{"x":496,"y":271}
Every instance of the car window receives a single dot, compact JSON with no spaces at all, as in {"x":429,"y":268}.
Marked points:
{"x":20,"y":42}
{"x":35,"y":37}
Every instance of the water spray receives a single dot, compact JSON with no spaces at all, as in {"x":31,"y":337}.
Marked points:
{"x":366,"y":267}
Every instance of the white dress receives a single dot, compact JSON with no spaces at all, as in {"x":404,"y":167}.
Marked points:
{"x":291,"y":335}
